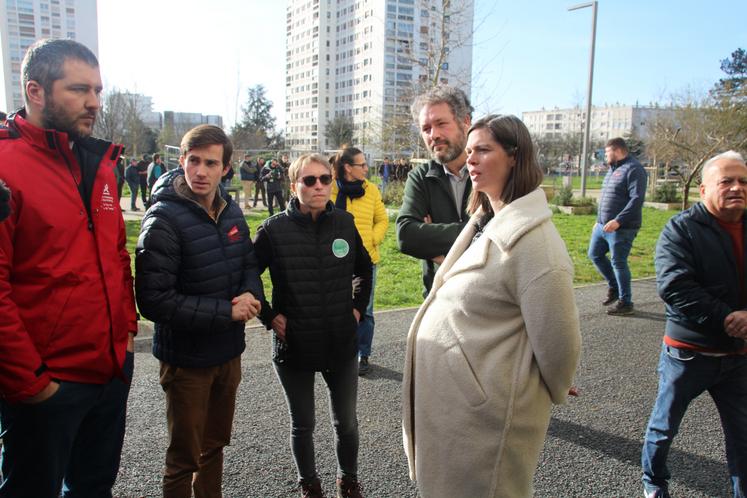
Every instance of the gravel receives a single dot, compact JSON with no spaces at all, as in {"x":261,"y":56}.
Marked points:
{"x":592,"y":448}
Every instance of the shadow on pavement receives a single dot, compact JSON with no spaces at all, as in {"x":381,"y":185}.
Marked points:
{"x":693,"y":471}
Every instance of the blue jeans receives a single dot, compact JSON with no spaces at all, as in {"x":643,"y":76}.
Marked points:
{"x":342,"y":384}
{"x":71,"y":441}
{"x":618,"y":244}
{"x":683,"y":376}
{"x":366,"y":325}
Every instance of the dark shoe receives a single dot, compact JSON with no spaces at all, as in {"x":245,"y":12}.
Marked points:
{"x":612,"y":296}
{"x":620,"y":309}
{"x":363,"y":366}
{"x":135,"y":209}
{"x":311,"y":488}
{"x":348,"y":487}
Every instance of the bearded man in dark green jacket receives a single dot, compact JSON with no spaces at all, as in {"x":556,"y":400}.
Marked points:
{"x":434,"y":205}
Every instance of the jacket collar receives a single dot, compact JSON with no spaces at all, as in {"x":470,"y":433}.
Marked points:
{"x":517,"y":218}
{"x":49,"y":139}
{"x":699,"y":213}
{"x":294,"y":212}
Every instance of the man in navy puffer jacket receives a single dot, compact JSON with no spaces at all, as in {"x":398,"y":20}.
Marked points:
{"x":196,"y":278}
{"x":618,"y":221}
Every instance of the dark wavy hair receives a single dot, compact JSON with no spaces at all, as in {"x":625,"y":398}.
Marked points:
{"x":205,"y":135}
{"x":343,"y":156}
{"x":511,"y":134}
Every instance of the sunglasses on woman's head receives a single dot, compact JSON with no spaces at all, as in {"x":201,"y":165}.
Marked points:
{"x":310,"y":180}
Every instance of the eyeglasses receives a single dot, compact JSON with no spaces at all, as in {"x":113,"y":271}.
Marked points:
{"x":362,"y":165}
{"x":310,"y":180}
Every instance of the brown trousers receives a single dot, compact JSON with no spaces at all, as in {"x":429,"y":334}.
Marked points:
{"x":200,"y":405}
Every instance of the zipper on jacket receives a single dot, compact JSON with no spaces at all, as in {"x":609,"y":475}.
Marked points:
{"x":77,"y":186}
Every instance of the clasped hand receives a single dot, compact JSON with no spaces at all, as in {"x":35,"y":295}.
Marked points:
{"x":244,"y":307}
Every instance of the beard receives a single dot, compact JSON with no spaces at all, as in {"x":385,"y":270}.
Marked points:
{"x":58,"y":118}
{"x":451,"y":152}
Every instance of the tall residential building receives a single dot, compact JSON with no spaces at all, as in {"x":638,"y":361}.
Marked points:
{"x":24,"y":21}
{"x":362,"y":60}
{"x":606,"y":122}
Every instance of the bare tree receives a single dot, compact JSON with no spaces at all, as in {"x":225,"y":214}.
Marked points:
{"x":119,"y":121}
{"x":339,"y":131}
{"x":698,"y":127}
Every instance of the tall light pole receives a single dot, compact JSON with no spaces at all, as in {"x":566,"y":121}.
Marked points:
{"x":585,"y":153}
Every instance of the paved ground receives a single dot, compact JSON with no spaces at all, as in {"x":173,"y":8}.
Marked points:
{"x":592,"y":448}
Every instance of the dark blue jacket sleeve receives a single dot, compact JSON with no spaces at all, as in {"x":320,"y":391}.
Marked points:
{"x":636,"y":193}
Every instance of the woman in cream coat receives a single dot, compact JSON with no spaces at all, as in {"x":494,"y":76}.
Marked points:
{"x":497,"y":340}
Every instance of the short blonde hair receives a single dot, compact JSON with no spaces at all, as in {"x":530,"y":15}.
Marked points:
{"x":302,"y":161}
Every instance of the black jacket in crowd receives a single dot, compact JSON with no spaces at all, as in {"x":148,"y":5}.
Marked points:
{"x":697,"y":277}
{"x":188,"y":267}
{"x":312,"y":265}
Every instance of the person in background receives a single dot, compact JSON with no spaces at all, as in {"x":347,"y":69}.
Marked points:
{"x":227,"y":176}
{"x":313,"y":252}
{"x":618,"y":221}
{"x":497,"y":340}
{"x":196,"y":279}
{"x":353,"y":193}
{"x":385,"y":170}
{"x":259,"y":186}
{"x":119,"y":175}
{"x":142,"y":171}
{"x":66,"y":297}
{"x":285,"y":164}
{"x":132,"y":177}
{"x":272,"y":174}
{"x":155,"y":170}
{"x":248,"y":176}
{"x":700,"y":275}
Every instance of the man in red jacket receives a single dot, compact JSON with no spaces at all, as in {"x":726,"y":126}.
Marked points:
{"x":67,"y":314}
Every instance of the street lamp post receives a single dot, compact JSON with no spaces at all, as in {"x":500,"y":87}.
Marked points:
{"x":585,"y":153}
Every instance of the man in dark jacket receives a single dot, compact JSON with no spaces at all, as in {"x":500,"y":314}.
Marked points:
{"x":700,"y":275}
{"x":434,"y":205}
{"x":66,"y":298}
{"x":196,"y":278}
{"x":142,"y":171}
{"x":618,"y":221}
{"x":272,"y":175}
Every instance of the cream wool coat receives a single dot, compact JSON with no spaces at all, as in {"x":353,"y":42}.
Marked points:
{"x":493,"y":346}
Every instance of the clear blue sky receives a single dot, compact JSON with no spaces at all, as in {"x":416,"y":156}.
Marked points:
{"x":527,"y":55}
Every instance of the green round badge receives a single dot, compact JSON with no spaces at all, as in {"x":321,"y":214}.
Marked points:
{"x":340,"y":248}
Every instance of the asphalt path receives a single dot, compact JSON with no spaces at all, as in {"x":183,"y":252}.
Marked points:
{"x":592,"y":447}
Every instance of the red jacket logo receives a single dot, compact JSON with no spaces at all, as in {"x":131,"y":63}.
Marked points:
{"x":233,"y":234}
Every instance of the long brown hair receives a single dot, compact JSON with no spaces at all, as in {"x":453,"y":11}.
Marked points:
{"x":511,"y":134}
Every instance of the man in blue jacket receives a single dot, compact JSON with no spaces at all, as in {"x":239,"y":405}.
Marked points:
{"x":700,"y":275}
{"x":618,"y":222}
{"x":196,"y":279}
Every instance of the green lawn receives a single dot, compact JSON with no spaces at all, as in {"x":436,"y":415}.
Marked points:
{"x":399,"y":283}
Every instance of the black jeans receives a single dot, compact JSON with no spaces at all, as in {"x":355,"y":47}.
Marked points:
{"x":70,"y":442}
{"x":277,"y":195}
{"x":342,"y":386}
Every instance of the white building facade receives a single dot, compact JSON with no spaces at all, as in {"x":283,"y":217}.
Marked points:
{"x":363,"y":60}
{"x":24,"y":21}
{"x":606,"y":122}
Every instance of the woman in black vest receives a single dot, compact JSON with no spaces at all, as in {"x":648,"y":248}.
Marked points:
{"x":314,"y":253}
